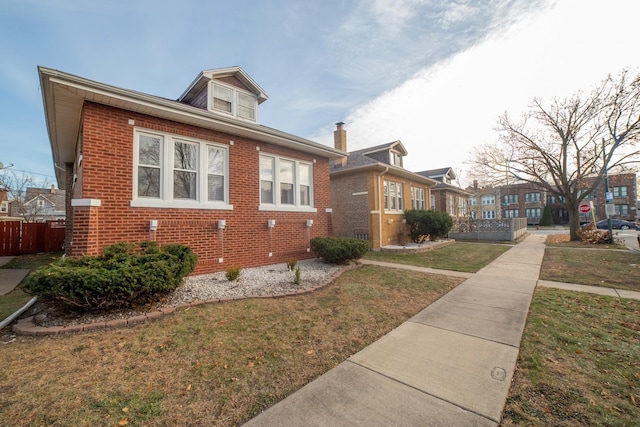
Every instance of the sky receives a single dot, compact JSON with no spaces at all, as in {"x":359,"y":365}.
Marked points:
{"x":435,"y":75}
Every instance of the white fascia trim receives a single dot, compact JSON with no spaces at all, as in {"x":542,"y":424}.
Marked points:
{"x":86,"y":202}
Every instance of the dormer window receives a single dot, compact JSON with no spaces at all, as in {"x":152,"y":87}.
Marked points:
{"x":396,"y":159}
{"x":231,"y":100}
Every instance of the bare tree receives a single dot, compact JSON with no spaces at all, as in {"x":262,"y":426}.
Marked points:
{"x":557,"y":146}
{"x":16,"y":184}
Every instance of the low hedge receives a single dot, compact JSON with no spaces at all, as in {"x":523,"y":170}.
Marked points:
{"x":339,"y":250}
{"x":434,"y":223}
{"x":126,"y":275}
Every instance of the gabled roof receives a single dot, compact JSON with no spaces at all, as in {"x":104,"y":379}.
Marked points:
{"x":206,"y":76}
{"x":439,"y":173}
{"x":64,"y":95}
{"x":57,"y":198}
{"x":395,"y":145}
{"x":441,"y":186}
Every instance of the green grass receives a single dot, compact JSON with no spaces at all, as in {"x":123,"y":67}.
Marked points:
{"x":606,"y":268}
{"x":15,"y":299}
{"x":466,"y":257}
{"x":579,"y":362}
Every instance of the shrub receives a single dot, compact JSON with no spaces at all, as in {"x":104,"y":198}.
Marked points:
{"x":233,"y":273}
{"x":589,"y":233}
{"x":339,"y":250}
{"x":126,"y":275}
{"x":421,"y":223}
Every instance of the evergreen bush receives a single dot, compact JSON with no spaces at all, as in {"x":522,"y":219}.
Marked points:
{"x":339,"y":250}
{"x":434,"y":223}
{"x":546,"y":219}
{"x":126,"y":275}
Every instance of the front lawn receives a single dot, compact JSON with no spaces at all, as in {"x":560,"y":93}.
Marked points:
{"x":579,"y":363}
{"x":461,"y":256}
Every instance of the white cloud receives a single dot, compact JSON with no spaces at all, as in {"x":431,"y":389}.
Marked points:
{"x":446,"y":109}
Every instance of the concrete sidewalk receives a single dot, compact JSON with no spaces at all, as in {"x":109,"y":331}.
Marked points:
{"x":10,"y":278}
{"x":451,"y":364}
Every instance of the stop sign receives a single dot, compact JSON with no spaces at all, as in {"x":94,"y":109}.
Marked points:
{"x":584,"y":208}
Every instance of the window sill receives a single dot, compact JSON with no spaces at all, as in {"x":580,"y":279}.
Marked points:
{"x":176,"y":204}
{"x":274,"y":208}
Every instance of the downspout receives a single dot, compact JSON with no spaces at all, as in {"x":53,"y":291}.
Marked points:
{"x":380,"y":206}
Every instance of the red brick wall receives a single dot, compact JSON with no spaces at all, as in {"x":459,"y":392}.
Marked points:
{"x":246,"y":241}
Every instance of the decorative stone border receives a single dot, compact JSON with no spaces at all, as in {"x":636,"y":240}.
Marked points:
{"x":27,"y":325}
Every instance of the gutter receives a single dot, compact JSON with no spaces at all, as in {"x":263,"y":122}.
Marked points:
{"x":380,"y":206}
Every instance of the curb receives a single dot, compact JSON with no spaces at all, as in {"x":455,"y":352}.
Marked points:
{"x":28,"y":327}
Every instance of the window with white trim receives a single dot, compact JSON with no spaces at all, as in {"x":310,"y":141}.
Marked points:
{"x":285,"y":183}
{"x":393,"y":192}
{"x":174,"y":171}
{"x":4,"y":207}
{"x":488,"y":214}
{"x":473,"y":201}
{"x":488,"y":199}
{"x":511,"y":198}
{"x":417,"y":198}
{"x":234,"y":101}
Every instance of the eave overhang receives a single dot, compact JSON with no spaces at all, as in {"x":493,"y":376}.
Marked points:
{"x":384,"y":169}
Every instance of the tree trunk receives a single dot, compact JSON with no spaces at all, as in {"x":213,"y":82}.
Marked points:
{"x":574,"y":222}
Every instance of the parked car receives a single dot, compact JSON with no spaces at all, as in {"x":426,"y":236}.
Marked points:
{"x":618,"y":224}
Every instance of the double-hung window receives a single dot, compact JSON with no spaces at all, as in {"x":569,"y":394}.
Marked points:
{"x":176,"y":172}
{"x":393,"y":196}
{"x":233,"y":101}
{"x":417,"y":198}
{"x":285,"y":184}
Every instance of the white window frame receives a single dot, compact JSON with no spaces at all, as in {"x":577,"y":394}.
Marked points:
{"x":488,"y":199}
{"x":4,"y":207}
{"x":236,"y":108}
{"x":277,"y":205}
{"x":622,"y":209}
{"x":529,"y":212}
{"x":418,"y":196}
{"x":393,"y":202}
{"x":166,"y":166}
{"x":488,"y":214}
{"x":473,"y":201}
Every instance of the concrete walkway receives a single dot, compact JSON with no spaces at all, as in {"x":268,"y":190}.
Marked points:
{"x":451,"y":364}
{"x":10,"y":278}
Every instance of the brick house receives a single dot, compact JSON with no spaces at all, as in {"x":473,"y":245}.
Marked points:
{"x":199,"y":170}
{"x":446,"y":197}
{"x":370,"y":189}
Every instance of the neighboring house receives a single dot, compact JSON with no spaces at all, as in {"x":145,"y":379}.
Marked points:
{"x":4,"y":202}
{"x":446,"y":197}
{"x":370,"y":191}
{"x":526,"y":200}
{"x":199,"y":170}
{"x":40,"y":204}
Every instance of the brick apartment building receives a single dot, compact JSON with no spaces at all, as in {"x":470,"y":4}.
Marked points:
{"x":528,"y":201}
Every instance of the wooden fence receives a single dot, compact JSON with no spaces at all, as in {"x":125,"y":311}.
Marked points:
{"x":19,"y":237}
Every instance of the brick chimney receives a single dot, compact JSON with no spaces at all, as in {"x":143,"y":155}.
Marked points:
{"x":340,"y":142}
